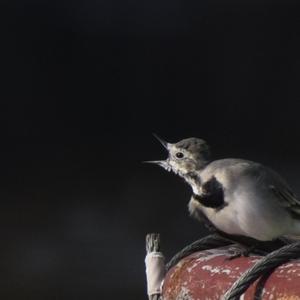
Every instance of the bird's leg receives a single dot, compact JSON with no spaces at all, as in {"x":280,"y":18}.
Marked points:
{"x":240,"y":250}
{"x":243,"y":246}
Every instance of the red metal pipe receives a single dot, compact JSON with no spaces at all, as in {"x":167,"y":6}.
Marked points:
{"x":207,"y":275}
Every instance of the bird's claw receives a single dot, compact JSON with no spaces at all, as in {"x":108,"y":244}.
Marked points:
{"x":239,"y":251}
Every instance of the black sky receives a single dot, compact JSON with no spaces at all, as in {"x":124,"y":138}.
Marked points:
{"x":84,"y":84}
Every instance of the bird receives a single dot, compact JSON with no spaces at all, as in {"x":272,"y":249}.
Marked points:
{"x":236,"y":196}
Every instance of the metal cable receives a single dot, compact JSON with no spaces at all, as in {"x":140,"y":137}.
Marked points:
{"x":209,"y":242}
{"x":267,"y":264}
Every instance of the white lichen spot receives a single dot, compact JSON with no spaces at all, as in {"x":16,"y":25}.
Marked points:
{"x":211,"y":269}
{"x":184,"y":294}
{"x":255,"y":260}
{"x":211,"y":254}
{"x":286,"y":266}
{"x":192,"y":267}
{"x":216,"y":270}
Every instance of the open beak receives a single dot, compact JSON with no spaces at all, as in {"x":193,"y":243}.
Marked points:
{"x":163,"y":142}
{"x":163,"y":163}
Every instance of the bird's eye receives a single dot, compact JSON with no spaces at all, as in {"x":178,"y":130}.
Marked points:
{"x":179,"y":155}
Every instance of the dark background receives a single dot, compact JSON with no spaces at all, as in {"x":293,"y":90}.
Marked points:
{"x":84,"y":85}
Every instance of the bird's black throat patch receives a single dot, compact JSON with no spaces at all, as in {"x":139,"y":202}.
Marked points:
{"x":212,"y":195}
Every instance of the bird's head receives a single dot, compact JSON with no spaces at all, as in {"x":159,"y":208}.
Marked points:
{"x":185,"y":156}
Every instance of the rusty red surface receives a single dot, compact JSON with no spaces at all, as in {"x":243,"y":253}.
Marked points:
{"x":207,"y":275}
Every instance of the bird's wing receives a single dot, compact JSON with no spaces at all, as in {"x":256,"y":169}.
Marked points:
{"x":286,"y":198}
{"x":284,"y":194}
{"x":263,"y":176}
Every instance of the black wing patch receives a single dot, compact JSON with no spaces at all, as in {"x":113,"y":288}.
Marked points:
{"x":213,"y":195}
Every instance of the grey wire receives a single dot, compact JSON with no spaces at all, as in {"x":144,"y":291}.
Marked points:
{"x":263,"y":268}
{"x":209,"y":242}
{"x":264,"y":265}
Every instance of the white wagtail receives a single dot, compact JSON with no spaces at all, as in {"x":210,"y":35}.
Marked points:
{"x":239,"y":197}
